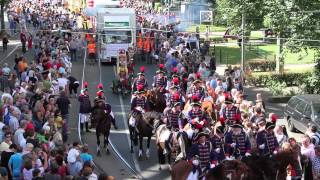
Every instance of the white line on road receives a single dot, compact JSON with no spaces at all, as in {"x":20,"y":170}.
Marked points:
{"x":124,"y":118}
{"x":14,"y":49}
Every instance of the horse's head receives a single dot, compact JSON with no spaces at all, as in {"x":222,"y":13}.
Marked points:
{"x":261,"y":167}
{"x":231,"y":170}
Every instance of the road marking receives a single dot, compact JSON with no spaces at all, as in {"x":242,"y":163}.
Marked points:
{"x":124,"y":118}
{"x":14,"y":49}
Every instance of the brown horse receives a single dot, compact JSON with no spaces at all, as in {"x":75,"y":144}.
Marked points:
{"x":144,"y":123}
{"x":156,"y":99}
{"x":179,"y":142}
{"x":231,"y":170}
{"x":102,"y":122}
{"x":269,"y":168}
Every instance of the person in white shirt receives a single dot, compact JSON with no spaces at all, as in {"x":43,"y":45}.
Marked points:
{"x":18,"y":135}
{"x":307,"y":147}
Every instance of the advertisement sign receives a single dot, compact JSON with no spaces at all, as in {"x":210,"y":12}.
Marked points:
{"x":112,"y":50}
{"x":206,"y":16}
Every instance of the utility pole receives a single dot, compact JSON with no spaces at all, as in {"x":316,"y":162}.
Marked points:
{"x":242,"y":45}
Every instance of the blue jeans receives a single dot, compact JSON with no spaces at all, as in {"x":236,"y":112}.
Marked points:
{"x":73,"y":54}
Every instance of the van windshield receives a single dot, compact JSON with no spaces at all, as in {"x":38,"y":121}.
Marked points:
{"x":116,"y":37}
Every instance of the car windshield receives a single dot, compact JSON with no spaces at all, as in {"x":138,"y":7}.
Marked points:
{"x":117,"y":37}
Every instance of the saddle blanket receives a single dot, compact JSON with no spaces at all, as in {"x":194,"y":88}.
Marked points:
{"x":164,"y":136}
{"x":132,"y":121}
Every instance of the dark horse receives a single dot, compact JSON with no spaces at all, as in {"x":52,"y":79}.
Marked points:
{"x":157,"y":100}
{"x":143,"y":128}
{"x":269,"y":168}
{"x":102,"y":122}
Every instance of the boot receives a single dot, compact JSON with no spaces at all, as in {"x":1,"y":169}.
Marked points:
{"x":114,"y":123}
{"x":87,"y":127}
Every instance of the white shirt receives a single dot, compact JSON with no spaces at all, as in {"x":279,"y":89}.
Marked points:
{"x":72,"y":155}
{"x":62,"y":82}
{"x":18,"y":136}
{"x":308,"y":151}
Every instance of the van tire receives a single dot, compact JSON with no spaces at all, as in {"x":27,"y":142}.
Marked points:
{"x":291,"y":126}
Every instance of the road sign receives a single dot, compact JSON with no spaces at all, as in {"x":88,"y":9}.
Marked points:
{"x":206,"y":16}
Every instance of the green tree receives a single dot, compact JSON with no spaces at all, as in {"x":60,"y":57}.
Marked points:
{"x":229,"y":13}
{"x":295,"y":23}
{"x":3,"y":5}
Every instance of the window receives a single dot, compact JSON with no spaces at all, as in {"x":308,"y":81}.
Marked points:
{"x":301,"y":106}
{"x":308,"y":112}
{"x":293,"y":102}
{"x":316,"y":110}
{"x":116,"y":37}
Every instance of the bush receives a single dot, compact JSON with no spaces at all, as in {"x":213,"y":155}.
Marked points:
{"x":290,"y":79}
{"x":276,"y":87}
{"x":262,"y":66}
{"x":312,"y":83}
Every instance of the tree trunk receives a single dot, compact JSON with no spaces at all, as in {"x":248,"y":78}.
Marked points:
{"x":279,"y":55}
{"x":3,"y":26}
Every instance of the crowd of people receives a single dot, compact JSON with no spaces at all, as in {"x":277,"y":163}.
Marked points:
{"x":35,"y":96}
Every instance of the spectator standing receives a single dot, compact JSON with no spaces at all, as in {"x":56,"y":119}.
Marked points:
{"x":85,"y":109}
{"x":64,"y":104}
{"x":316,"y":164}
{"x":15,"y":164}
{"x":5,"y":42}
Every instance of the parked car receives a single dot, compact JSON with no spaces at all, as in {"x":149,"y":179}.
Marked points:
{"x":302,"y":111}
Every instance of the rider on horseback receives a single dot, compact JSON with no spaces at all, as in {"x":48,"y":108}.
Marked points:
{"x":203,"y":149}
{"x":197,"y":90}
{"x":217,"y":140}
{"x":160,"y":81}
{"x":172,"y":119}
{"x":122,"y":69}
{"x":139,"y":104}
{"x":237,"y":142}
{"x":140,"y":80}
{"x":196,"y":116}
{"x":266,"y":141}
{"x":100,"y":102}
{"x":230,"y":113}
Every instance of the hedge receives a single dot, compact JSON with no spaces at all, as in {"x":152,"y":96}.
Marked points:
{"x":262,"y":66}
{"x":291,"y":79}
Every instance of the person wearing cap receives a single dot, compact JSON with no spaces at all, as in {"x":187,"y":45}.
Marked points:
{"x":140,"y":80}
{"x":160,"y":80}
{"x":172,"y":117}
{"x":204,"y":150}
{"x":173,"y":96}
{"x":197,"y":89}
{"x":217,"y":140}
{"x":195,"y":115}
{"x":101,"y":102}
{"x":230,"y":113}
{"x":237,"y":143}
{"x":85,"y":109}
{"x":139,"y":101}
{"x":266,"y":140}
{"x":175,"y":82}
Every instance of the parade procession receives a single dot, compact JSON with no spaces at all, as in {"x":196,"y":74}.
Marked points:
{"x":177,"y":89}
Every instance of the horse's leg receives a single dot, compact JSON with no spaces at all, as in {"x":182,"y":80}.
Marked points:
{"x":140,"y":146}
{"x":106,"y":140}
{"x":148,"y":147}
{"x":98,"y":143}
{"x":131,"y":139}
